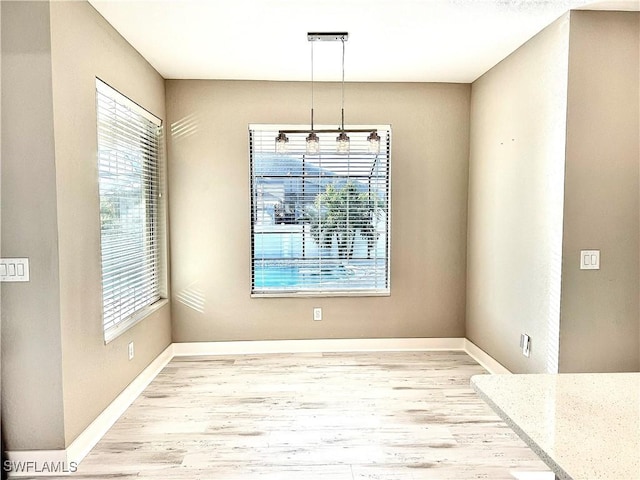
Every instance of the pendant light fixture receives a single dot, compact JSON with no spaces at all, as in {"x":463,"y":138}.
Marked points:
{"x":281,"y":143}
{"x":343,"y":143}
{"x":313,"y":142}
{"x":374,"y":142}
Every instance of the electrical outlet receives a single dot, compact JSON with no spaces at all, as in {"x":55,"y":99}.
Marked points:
{"x":525,"y":344}
{"x":317,"y":313}
{"x":131,"y":352}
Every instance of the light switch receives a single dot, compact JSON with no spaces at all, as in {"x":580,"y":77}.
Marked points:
{"x":590,"y":260}
{"x":14,"y":269}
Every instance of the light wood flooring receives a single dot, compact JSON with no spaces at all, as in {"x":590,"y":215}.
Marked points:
{"x":331,"y":416}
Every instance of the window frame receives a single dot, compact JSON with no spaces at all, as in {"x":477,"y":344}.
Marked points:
{"x":386,"y":134}
{"x":152,"y":195}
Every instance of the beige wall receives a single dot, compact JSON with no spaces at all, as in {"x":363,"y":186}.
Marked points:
{"x":32,"y":407}
{"x":209,"y":185}
{"x":600,"y":314}
{"x":576,"y":83}
{"x":58,"y":372}
{"x":516,"y":171}
{"x":84,"y":46}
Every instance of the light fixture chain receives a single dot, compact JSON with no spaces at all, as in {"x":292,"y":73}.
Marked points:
{"x":342,"y":83}
{"x":312,"y":86}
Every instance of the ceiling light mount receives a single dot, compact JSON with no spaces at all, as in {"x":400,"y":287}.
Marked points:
{"x":328,"y":36}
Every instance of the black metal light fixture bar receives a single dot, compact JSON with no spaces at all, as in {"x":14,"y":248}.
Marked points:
{"x":313,"y":142}
{"x":332,"y":130}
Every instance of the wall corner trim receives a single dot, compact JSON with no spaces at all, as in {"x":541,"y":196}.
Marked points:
{"x":483,"y":358}
{"x":66,"y":460}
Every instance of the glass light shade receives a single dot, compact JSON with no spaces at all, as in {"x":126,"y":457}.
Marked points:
{"x":374,"y":142}
{"x":313,"y":143}
{"x":281,"y":143}
{"x":343,"y":143}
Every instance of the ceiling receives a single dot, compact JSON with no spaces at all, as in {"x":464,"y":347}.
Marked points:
{"x":389,"y":40}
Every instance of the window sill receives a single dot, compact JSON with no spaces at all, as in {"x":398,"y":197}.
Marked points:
{"x":319,"y":294}
{"x":117,"y":330}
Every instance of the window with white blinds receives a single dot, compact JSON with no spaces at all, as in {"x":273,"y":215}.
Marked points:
{"x":128,"y":176}
{"x":320,"y":224}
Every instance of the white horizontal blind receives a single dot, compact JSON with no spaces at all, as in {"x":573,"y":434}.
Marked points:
{"x":128,"y":174}
{"x":319,"y":223}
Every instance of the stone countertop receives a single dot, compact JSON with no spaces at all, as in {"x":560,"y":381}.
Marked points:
{"x":584,"y":426}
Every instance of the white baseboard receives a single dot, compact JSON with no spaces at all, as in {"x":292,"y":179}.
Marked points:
{"x":96,"y":430}
{"x":64,"y":462}
{"x":484,"y":359}
{"x":44,"y":462}
{"x":318,"y":346}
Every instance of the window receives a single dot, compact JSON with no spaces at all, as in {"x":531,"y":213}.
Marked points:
{"x":128,"y":177}
{"x":319,"y":223}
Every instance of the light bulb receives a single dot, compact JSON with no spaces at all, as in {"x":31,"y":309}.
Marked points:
{"x":313,"y":143}
{"x":281,"y":143}
{"x":342,"y":143}
{"x":374,"y":142}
